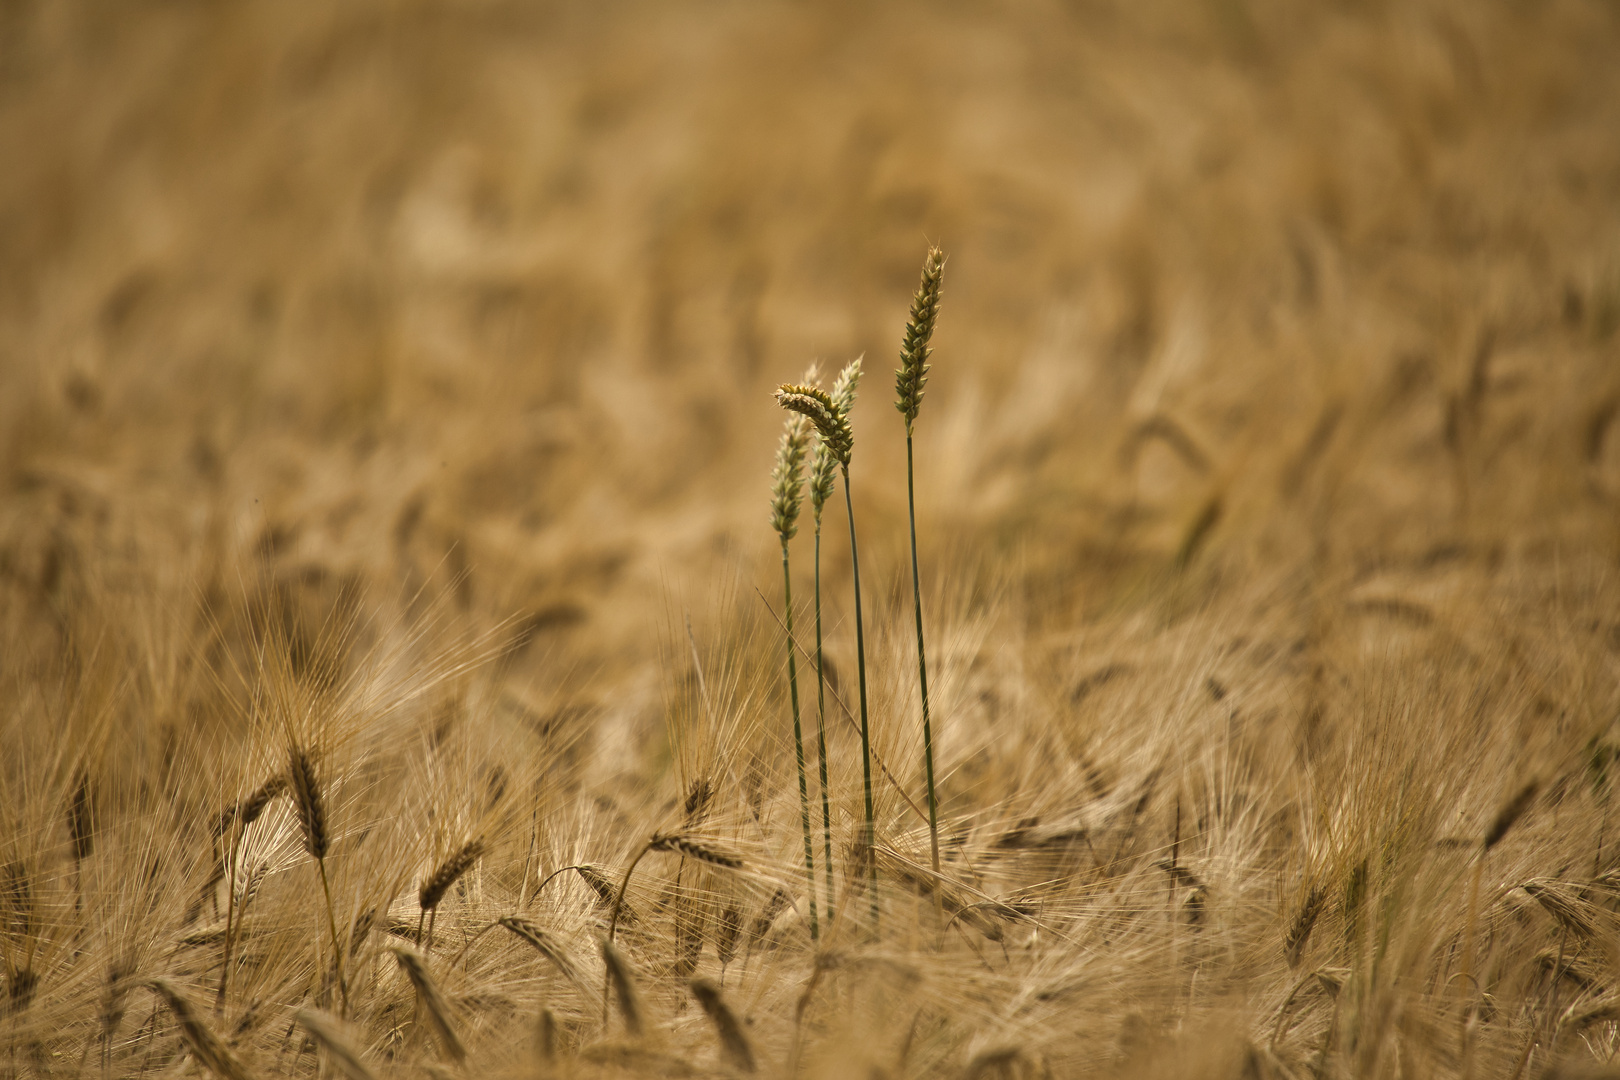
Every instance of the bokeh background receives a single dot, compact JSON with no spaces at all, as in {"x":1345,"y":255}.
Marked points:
{"x":483,"y":300}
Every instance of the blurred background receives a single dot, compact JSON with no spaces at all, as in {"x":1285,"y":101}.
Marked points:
{"x":486,"y":298}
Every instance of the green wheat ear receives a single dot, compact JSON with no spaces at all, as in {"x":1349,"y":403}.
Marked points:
{"x":787,"y":479}
{"x":908,"y":385}
{"x":912,"y":375}
{"x":832,"y":424}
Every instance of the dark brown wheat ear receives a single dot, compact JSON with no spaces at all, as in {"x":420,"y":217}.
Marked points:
{"x":308,"y":801}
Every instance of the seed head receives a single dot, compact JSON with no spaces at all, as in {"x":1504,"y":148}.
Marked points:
{"x":813,"y":402}
{"x":914,"y":350}
{"x":787,"y":480}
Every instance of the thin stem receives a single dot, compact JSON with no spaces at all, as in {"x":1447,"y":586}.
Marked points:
{"x":230,"y":906}
{"x":613,"y":926}
{"x":821,"y":732}
{"x":866,"y":739}
{"x":798,"y":743}
{"x":922,"y":665}
{"x":337,"y":949}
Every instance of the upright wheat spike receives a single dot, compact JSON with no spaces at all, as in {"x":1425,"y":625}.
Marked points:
{"x":311,"y":807}
{"x":830,"y":415}
{"x":909,"y":381}
{"x":436,"y":884}
{"x":787,"y":497}
{"x":823,"y":474}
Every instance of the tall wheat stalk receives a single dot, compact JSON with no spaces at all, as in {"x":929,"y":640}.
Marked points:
{"x":909,"y":381}
{"x":787,"y":498}
{"x":830,"y":415}
{"x":823,"y":476}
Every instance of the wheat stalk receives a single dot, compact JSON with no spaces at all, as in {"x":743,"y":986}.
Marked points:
{"x":787,"y":496}
{"x":909,"y":381}
{"x":823,"y":475}
{"x":432,"y":999}
{"x":830,"y":414}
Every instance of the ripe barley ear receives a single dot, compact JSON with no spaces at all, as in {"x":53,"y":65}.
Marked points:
{"x":210,"y":1050}
{"x":623,"y":981}
{"x":909,"y":381}
{"x":544,"y":944}
{"x":732,"y":1039}
{"x":433,"y":1001}
{"x":787,"y":497}
{"x":310,"y":803}
{"x":446,"y":874}
{"x":340,"y":1049}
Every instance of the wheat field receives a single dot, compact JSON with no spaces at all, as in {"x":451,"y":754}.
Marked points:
{"x":393,"y":667}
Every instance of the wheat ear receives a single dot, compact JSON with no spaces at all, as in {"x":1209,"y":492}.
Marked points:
{"x":432,"y":999}
{"x":732,"y":1038}
{"x":909,"y":381}
{"x":623,"y":980}
{"x":311,"y":807}
{"x":340,"y":1049}
{"x":787,"y":496}
{"x":544,"y":944}
{"x":241,"y":815}
{"x":215,"y":1056}
{"x":446,"y":874}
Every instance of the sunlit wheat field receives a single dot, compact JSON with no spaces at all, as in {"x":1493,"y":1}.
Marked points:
{"x":448,"y":629}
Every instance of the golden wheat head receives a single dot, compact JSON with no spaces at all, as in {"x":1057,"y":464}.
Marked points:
{"x":308,"y":799}
{"x":787,"y":479}
{"x":831,"y":426}
{"x":447,"y":873}
{"x":912,"y":374}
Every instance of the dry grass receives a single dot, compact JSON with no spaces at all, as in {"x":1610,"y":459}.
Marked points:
{"x":385,"y":442}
